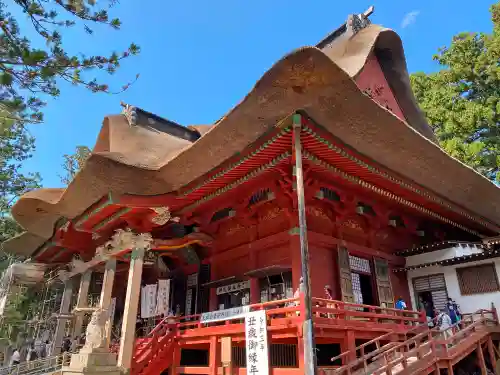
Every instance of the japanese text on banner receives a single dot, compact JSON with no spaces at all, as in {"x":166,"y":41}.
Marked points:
{"x":256,"y":343}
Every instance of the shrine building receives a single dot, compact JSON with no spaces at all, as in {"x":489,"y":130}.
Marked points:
{"x":206,"y":217}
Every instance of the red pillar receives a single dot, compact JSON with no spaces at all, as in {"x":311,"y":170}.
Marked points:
{"x":350,"y":345}
{"x":213,"y":356}
{"x":295,"y":256}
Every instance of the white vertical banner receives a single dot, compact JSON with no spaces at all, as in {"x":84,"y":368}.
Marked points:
{"x":189,"y":300}
{"x":112,"y":309}
{"x":256,"y":343}
{"x":144,"y":302}
{"x":151,"y":296}
{"x":163,"y":297}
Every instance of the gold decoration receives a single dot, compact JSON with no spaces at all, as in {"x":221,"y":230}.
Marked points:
{"x":272,"y":214}
{"x":317,"y":212}
{"x":352,"y":224}
{"x":163,"y":216}
{"x":235,"y":229}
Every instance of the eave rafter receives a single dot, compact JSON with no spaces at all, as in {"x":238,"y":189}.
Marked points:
{"x":270,"y":153}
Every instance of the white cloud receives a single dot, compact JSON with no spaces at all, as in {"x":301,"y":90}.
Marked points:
{"x":409,"y":18}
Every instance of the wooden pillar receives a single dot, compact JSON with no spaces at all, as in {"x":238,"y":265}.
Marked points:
{"x":106,"y":291}
{"x":61,"y":320}
{"x":450,"y":368}
{"x":82,"y":301}
{"x":295,"y":254}
{"x":213,"y":356}
{"x":491,"y":352}
{"x":254,"y":282}
{"x":226,"y":355}
{"x":130,"y":309}
{"x":480,"y":356}
{"x":351,"y":345}
{"x":176,"y":362}
{"x":300,"y":354}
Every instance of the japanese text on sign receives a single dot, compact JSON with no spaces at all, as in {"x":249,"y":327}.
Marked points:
{"x":228,"y":314}
{"x":256,"y":343}
{"x":233,"y":287}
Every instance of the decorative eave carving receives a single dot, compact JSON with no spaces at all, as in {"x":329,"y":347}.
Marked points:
{"x":122,"y":240}
{"x":163,"y":216}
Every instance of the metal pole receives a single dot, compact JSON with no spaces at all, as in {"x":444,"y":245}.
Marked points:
{"x":309,"y":345}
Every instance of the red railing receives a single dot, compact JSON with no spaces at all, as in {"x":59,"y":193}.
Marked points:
{"x":327,"y":311}
{"x":283,"y":314}
{"x":332,"y":309}
{"x":157,"y":346}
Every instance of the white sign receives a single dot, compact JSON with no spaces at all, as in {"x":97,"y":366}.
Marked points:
{"x":148,"y":301}
{"x":189,"y":301}
{"x":112,"y":309}
{"x":233,"y":287}
{"x":192,"y":280}
{"x":163,"y":297}
{"x":228,"y":314}
{"x":256,"y":343}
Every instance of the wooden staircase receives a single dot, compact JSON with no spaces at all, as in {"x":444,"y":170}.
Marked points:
{"x":426,"y":351}
{"x":155,"y":353}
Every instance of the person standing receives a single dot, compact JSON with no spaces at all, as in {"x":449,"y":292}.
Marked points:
{"x":400,"y":304}
{"x":329,"y":296}
{"x":444,"y":324}
{"x":15,"y":359}
{"x":453,"y":311}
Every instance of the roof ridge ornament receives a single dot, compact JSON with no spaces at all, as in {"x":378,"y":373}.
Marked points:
{"x":356,"y":22}
{"x":130,"y":113}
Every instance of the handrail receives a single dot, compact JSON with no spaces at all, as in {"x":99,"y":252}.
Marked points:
{"x":44,"y":365}
{"x":375,"y":340}
{"x":430,"y":342}
{"x":360,"y":305}
{"x":364,"y":359}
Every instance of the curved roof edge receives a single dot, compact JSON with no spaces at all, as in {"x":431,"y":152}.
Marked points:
{"x":138,"y":160}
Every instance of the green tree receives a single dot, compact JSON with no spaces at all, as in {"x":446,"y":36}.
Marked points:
{"x":73,"y":163}
{"x":16,"y":145}
{"x":462,"y":100}
{"x":28,"y":72}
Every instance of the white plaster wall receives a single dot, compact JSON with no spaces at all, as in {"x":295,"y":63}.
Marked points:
{"x":443,"y":254}
{"x":467,"y":303}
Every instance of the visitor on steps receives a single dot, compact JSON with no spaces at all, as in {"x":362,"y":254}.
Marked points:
{"x":401,"y":304}
{"x":444,"y":323}
{"x":329,"y":296}
{"x":453,"y":311}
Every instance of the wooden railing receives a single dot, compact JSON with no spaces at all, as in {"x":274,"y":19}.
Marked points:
{"x":368,"y":358}
{"x":333,"y":309}
{"x":284,"y":309}
{"x":424,"y":349}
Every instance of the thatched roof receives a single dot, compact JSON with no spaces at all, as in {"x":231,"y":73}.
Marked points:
{"x":146,"y":160}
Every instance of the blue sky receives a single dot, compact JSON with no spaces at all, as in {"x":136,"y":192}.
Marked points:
{"x":199,"y":58}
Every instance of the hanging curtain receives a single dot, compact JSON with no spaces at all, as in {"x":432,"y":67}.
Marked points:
{"x":163,"y":297}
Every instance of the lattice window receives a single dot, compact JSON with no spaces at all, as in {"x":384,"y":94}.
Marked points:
{"x":478,"y":279}
{"x":329,"y":194}
{"x":359,"y":264}
{"x":260,"y":196}
{"x":222,"y":214}
{"x":356,"y":288}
